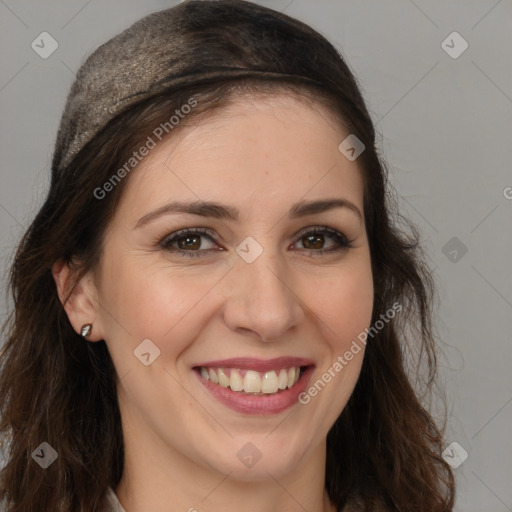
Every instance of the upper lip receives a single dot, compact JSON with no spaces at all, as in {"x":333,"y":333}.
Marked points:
{"x":259,"y":365}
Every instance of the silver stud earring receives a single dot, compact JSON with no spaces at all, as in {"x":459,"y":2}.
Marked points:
{"x":86,"y":330}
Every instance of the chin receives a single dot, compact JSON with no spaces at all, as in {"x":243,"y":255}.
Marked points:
{"x":256,"y":459}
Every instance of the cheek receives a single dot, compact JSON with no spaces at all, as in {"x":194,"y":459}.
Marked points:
{"x":344,"y":303}
{"x":156,"y":302}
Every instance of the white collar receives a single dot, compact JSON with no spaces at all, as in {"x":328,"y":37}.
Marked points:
{"x":113,"y":503}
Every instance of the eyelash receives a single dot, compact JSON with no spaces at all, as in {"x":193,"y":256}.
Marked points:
{"x":340,"y":238}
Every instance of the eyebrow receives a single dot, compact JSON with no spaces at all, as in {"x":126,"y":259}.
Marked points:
{"x":220,"y":211}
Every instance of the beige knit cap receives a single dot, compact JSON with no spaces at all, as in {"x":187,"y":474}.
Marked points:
{"x":157,"y":53}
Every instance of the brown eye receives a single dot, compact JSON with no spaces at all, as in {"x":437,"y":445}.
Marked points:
{"x":188,"y":242}
{"x":314,"y":239}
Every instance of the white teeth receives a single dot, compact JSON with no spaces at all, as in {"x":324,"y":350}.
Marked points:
{"x":236,"y":383}
{"x":283,"y":379}
{"x":291,"y":377}
{"x":223,"y":378}
{"x":252,"y":382}
{"x":270,"y":384}
{"x":213,"y":376}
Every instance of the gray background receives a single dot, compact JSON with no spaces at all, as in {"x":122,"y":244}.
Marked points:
{"x":445,"y":124}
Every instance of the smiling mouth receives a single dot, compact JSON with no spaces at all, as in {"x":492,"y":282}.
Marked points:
{"x":251,"y":382}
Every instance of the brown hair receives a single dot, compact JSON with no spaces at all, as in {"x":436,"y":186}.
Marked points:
{"x":384,"y":449}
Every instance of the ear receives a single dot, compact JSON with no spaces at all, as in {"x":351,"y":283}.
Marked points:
{"x":82,"y":305}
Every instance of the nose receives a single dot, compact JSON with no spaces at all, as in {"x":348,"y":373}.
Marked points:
{"x":260,"y":298}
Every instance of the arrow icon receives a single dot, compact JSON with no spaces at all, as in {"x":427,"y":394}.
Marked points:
{"x":351,"y":147}
{"x":455,"y":455}
{"x":454,"y":249}
{"x":249,"y":249}
{"x":44,"y":45}
{"x":453,"y":253}
{"x":249,"y":455}
{"x":454,"y":45}
{"x":44,"y":455}
{"x":147,"y":352}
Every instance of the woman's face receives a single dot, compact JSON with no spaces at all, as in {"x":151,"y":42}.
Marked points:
{"x":250,"y":292}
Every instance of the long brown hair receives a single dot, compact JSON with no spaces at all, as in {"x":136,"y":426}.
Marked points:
{"x":384,"y":449}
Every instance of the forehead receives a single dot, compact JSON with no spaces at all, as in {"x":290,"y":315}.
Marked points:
{"x":259,"y":150}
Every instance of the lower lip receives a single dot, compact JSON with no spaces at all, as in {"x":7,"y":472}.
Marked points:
{"x":262,"y":404}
